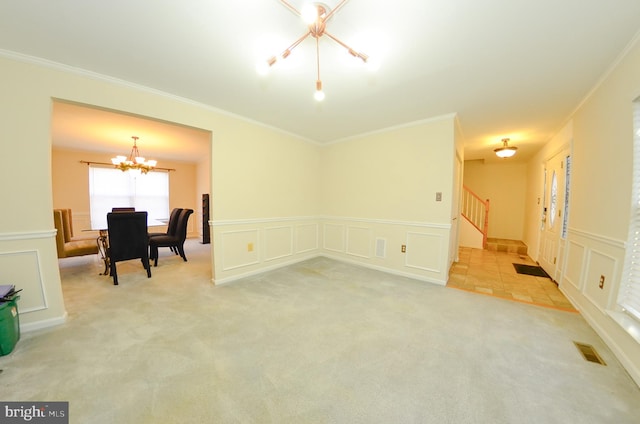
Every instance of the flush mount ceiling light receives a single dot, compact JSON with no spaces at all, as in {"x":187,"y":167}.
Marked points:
{"x":505,"y":151}
{"x":135,"y":162}
{"x":316,"y":16}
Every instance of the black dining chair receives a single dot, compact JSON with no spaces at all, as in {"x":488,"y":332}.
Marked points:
{"x":128,"y":239}
{"x":172,"y":225}
{"x":175,"y":241}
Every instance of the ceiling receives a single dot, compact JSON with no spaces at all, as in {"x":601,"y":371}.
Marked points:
{"x":81,"y":127}
{"x":515,"y":68}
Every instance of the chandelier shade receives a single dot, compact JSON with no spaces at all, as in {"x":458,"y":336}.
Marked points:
{"x":135,"y":162}
{"x":505,"y":151}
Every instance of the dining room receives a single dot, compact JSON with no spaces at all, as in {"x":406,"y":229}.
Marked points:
{"x":86,"y":182}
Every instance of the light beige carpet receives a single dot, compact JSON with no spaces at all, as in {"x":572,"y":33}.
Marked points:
{"x":316,"y":342}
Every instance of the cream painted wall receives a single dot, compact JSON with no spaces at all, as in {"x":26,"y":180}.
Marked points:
{"x":270,"y":176}
{"x":392,"y":175}
{"x":504,"y":184}
{"x":70,"y":185}
{"x":379,"y":193}
{"x":601,"y":131}
{"x":243,"y":154}
{"x":265,"y":203}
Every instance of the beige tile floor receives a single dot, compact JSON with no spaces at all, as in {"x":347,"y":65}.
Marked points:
{"x":492,"y":273}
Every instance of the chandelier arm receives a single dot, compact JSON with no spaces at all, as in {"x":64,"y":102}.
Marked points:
{"x":318,"y":55}
{"x":334,"y":10}
{"x":288,"y":50}
{"x":353,"y":52}
{"x":290,"y":7}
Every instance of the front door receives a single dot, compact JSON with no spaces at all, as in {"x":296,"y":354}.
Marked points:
{"x":554,"y":210}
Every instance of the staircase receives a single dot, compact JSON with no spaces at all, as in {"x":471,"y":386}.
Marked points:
{"x":505,"y":245}
{"x":476,"y":212}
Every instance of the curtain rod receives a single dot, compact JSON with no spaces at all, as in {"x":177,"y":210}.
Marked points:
{"x":110,"y":164}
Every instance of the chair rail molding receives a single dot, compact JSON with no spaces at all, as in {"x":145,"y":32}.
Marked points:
{"x":28,"y":235}
{"x":622,"y":244}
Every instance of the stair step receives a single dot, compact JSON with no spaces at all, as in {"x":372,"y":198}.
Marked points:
{"x":506,"y":245}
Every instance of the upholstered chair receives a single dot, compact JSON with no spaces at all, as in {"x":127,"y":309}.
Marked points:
{"x":175,"y":241}
{"x":128,"y":239}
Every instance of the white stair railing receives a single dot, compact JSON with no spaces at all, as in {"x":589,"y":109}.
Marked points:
{"x":476,"y":211}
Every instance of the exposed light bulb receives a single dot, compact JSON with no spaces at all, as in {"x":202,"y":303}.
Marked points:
{"x":309,"y":13}
{"x":372,"y":64}
{"x":262,"y":68}
{"x":319,"y":94}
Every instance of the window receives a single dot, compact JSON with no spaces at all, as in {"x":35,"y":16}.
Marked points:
{"x":567,"y":184}
{"x":629,"y":295}
{"x":109,"y":187}
{"x":554,"y":200}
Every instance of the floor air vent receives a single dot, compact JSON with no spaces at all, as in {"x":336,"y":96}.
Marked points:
{"x":589,"y":353}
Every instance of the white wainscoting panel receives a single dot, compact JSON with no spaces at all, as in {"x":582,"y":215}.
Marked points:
{"x":236,"y":251}
{"x":278,"y":242}
{"x":334,"y":236}
{"x":22,"y":269}
{"x":251,"y":246}
{"x":601,"y":255}
{"x":381,"y":248}
{"x":359,"y":240}
{"x":600,"y":264}
{"x":306,"y":237}
{"x":427,"y":251}
{"x":549,"y":250}
{"x":576,"y":257}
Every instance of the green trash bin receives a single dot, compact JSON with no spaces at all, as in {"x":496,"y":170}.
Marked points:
{"x":9,"y":319}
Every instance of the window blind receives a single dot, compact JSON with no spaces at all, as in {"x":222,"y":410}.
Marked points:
{"x":110,"y":187}
{"x":629,"y":295}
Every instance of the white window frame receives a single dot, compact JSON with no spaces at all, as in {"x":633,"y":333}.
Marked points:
{"x":111,"y":187}
{"x":629,"y":293}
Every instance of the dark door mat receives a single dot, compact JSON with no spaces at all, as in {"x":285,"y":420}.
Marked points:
{"x":536,"y":271}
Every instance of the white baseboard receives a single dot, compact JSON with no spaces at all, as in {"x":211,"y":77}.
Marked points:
{"x":233,"y":278}
{"x":329,"y":256}
{"x":47,"y":323}
{"x":387,"y":270}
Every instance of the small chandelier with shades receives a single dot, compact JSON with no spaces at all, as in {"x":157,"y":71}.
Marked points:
{"x":505,"y":151}
{"x":135,"y":162}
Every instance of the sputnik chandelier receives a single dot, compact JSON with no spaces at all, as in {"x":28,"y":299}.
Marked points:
{"x":316,"y":15}
{"x":135,"y":162}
